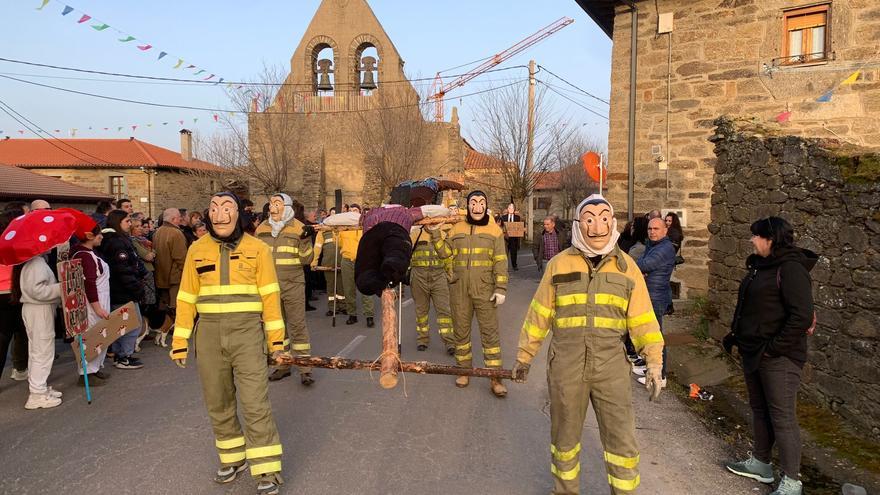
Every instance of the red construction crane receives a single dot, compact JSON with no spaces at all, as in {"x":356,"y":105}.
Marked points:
{"x":439,"y":90}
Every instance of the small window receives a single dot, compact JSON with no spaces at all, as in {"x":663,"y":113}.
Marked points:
{"x":807,"y":35}
{"x":117,"y":186}
{"x":542,"y":203}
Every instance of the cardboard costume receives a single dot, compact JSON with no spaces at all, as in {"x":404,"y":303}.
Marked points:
{"x":478,"y":284}
{"x":229,"y":279}
{"x":590,"y":296}
{"x":291,"y":251}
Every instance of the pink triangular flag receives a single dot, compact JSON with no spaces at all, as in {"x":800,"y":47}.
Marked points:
{"x":83,"y":19}
{"x":216,"y":117}
{"x":134,"y":127}
{"x":783,"y":117}
{"x":180,"y":122}
{"x":144,"y":48}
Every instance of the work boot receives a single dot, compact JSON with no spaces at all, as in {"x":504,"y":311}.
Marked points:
{"x":462,"y":381}
{"x":228,"y":474}
{"x":788,"y":486}
{"x":370,"y":322}
{"x":422,"y":347}
{"x":278,"y":374}
{"x":450,"y":350}
{"x":329,"y":312}
{"x":498,"y":388}
{"x":306,"y":379}
{"x":752,"y":468}
{"x":351,"y":320}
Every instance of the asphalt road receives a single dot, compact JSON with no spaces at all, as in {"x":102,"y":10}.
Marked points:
{"x":147,"y":431}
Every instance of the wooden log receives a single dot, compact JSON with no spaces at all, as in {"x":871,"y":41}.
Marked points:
{"x":420,"y":367}
{"x":390,"y":358}
{"x":424,"y":221}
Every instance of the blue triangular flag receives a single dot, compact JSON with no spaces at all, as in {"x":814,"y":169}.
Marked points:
{"x":67,"y":9}
{"x":162,"y":54}
{"x":826,"y":97}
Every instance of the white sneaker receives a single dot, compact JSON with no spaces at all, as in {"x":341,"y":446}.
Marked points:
{"x":54,"y":393}
{"x":643,"y":379}
{"x":44,"y":401}
{"x":639,"y":370}
{"x":19,"y":376}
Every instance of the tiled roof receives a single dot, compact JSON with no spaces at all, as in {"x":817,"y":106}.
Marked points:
{"x":94,"y":153}
{"x":474,"y":160}
{"x":549,"y":181}
{"x":17,"y":183}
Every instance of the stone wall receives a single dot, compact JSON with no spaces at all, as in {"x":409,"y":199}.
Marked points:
{"x":713,"y":63}
{"x":149,"y":193}
{"x":831,"y":195}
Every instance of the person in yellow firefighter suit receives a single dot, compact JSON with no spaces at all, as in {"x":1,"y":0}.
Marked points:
{"x":348,"y":248}
{"x":229,"y":279}
{"x":428,"y":283}
{"x":326,"y":245}
{"x":591,"y":294}
{"x":478,"y":284}
{"x":291,"y":251}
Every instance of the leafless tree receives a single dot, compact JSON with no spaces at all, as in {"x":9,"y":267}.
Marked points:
{"x":574,"y":183}
{"x":502,"y":132}
{"x":395,"y":135}
{"x":260,"y":139}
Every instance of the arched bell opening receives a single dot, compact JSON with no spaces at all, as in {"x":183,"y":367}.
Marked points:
{"x":367,"y":68}
{"x":323,"y":72}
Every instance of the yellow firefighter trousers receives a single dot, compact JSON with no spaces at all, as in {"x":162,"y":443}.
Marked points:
{"x":351,"y":291}
{"x":293,"y":307}
{"x":577,"y":377}
{"x":427,"y":285}
{"x":231,"y":359}
{"x":463,"y":309}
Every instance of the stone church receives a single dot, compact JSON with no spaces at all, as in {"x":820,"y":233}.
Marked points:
{"x":353,"y":114}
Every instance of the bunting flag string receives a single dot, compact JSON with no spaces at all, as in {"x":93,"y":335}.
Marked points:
{"x":98,"y":25}
{"x":119,"y":128}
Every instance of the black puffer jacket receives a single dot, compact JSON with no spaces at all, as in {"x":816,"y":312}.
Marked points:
{"x":775,"y":307}
{"x":127,"y":272}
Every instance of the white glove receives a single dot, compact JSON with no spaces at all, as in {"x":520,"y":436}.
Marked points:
{"x":498,"y":298}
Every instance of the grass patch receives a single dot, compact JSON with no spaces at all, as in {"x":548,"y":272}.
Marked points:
{"x":705,"y":312}
{"x":859,"y":169}
{"x":829,"y":431}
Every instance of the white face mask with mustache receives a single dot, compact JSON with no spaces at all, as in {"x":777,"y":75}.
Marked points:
{"x":596,"y":233}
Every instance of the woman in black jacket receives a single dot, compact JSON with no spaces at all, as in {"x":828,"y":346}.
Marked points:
{"x":127,"y":273}
{"x":773,"y":314}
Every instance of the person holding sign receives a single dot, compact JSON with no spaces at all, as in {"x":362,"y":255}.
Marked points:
{"x":97,"y":287}
{"x":512,"y":233}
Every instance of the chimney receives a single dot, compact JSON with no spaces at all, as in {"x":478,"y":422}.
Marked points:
{"x":186,"y":145}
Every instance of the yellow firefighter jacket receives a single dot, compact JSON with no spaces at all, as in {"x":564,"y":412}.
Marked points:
{"x":595,"y":305}
{"x":348,"y":243}
{"x":478,"y":257}
{"x":229,"y":284}
{"x":289,"y":250}
{"x":326,"y":239}
{"x":424,"y":254}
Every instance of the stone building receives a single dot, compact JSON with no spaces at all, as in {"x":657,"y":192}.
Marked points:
{"x":351,"y":106}
{"x":154,"y":178}
{"x":18,"y":184}
{"x":810,"y":66}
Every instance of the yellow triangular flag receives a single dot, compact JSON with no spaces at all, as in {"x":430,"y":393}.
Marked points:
{"x":851,"y":79}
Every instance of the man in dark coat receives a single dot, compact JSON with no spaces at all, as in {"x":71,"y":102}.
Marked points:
{"x":656,"y":265}
{"x":511,"y":243}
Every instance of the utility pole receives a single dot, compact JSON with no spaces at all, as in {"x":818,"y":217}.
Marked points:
{"x":530,"y":156}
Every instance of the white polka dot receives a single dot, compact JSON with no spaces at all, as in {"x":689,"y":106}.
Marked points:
{"x":10,"y":235}
{"x":48,"y":219}
{"x":42,"y":238}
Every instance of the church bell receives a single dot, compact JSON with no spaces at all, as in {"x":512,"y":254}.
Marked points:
{"x":324,"y":75}
{"x":368,"y":83}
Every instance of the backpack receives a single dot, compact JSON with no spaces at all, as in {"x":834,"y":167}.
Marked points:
{"x":812,"y":328}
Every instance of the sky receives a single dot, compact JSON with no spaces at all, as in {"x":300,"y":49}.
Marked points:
{"x":234,"y":40}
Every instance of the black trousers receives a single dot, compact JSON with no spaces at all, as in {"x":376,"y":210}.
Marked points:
{"x":773,"y":392}
{"x":12,"y":332}
{"x":512,"y":249}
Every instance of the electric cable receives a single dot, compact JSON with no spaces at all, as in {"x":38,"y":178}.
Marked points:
{"x":572,"y":85}
{"x":572,"y":100}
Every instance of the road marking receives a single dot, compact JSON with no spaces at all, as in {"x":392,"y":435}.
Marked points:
{"x":351,"y":346}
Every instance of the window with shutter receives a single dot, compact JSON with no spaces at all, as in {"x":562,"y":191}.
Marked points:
{"x":806,"y":36}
